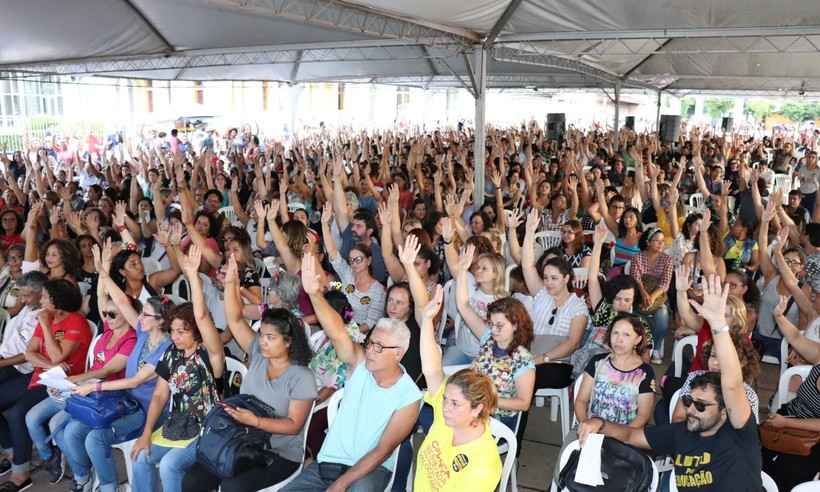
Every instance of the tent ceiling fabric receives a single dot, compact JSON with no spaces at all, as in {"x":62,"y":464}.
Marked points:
{"x":677,"y":45}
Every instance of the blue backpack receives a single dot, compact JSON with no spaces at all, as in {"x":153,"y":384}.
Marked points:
{"x":227,"y":447}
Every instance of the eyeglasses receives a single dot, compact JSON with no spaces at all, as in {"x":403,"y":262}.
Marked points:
{"x":110,"y":314}
{"x":355,"y":260}
{"x":155,"y":316}
{"x":377,"y":347}
{"x":700,"y":406}
{"x":793,"y":262}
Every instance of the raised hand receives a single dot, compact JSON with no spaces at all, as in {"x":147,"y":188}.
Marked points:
{"x":259,"y":208}
{"x":683,"y":278}
{"x":780,"y":308}
{"x":311,"y":281}
{"x":271,"y":210}
{"x":514,"y":219}
{"x":163,"y":233}
{"x":713,"y":308}
{"x":466,"y":259}
{"x":190,"y":262}
{"x":601,"y":233}
{"x":119,"y":213}
{"x":447,"y":230}
{"x":231,"y":271}
{"x":533,"y":219}
{"x":327,"y":214}
{"x":384,"y":215}
{"x":408,"y":252}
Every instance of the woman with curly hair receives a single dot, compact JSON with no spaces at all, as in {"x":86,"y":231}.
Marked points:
{"x":277,"y":375}
{"x":503,"y":338}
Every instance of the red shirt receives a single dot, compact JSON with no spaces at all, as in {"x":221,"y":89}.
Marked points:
{"x":704,"y":335}
{"x":72,"y":328}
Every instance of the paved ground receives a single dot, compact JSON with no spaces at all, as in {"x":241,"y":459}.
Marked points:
{"x":542,"y":441}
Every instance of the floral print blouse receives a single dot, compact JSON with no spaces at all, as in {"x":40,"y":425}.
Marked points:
{"x":503,"y":369}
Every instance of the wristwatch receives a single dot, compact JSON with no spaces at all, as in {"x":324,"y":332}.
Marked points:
{"x":720,"y":329}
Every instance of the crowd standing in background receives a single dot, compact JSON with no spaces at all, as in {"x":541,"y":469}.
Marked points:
{"x":228,"y":276}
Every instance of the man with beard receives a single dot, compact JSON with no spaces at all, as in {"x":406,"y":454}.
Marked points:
{"x":717,"y":448}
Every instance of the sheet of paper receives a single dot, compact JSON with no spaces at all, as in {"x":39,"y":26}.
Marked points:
{"x":56,"y":378}
{"x":588,"y":471}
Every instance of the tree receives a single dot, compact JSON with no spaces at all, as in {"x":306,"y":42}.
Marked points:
{"x":687,"y":106}
{"x":759,"y":108}
{"x":801,"y":111}
{"x":717,"y":107}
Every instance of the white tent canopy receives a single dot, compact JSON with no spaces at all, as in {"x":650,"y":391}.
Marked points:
{"x":674,"y":45}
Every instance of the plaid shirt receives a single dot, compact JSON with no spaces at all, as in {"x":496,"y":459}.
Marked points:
{"x":662,"y":270}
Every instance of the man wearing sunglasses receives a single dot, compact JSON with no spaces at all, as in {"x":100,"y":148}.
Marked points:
{"x":717,"y":448}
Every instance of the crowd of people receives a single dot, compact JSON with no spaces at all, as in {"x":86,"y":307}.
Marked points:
{"x":360,"y":264}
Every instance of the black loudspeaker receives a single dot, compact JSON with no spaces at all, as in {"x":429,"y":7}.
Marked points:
{"x":556,"y":126}
{"x":669,"y":128}
{"x":630,"y":123}
{"x":728,"y":124}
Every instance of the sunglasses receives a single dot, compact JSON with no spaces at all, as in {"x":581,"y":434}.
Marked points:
{"x":110,"y":314}
{"x":355,"y":260}
{"x":552,"y":316}
{"x":700,"y":406}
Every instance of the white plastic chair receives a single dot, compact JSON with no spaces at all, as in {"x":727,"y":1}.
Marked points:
{"x":581,"y":276}
{"x":784,"y":356}
{"x":4,"y":318}
{"x":574,"y":445}
{"x":696,"y":202}
{"x":176,"y":299}
{"x":783,"y":182}
{"x":813,"y":486}
{"x":176,"y":288}
{"x":507,"y":274}
{"x":548,"y":239}
{"x":677,"y":352}
{"x":449,"y":292}
{"x":559,"y":401}
{"x":783,"y":395}
{"x":229,"y":214}
{"x":150,"y":265}
{"x":126,"y":448}
{"x":333,"y":407}
{"x":768,"y":483}
{"x":93,"y":327}
{"x":89,"y":357}
{"x":234,"y":366}
{"x":280,"y":485}
{"x":673,"y":402}
{"x":502,"y":432}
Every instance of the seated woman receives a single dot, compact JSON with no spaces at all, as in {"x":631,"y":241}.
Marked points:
{"x":618,"y":387}
{"x":111,"y":354}
{"x":619,"y":296}
{"x":575,"y":251}
{"x":803,"y":412}
{"x":58,"y":258}
{"x":503,"y":339}
{"x":749,"y":364}
{"x":559,"y":316}
{"x":652,"y":271}
{"x":364,"y":292}
{"x":460,"y":433}
{"x":278,"y":376}
{"x":188,"y":374}
{"x":61,"y":338}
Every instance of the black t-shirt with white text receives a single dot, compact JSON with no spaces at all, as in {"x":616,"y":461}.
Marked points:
{"x":729,"y":460}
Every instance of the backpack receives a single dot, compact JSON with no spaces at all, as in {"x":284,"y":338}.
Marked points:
{"x":624,"y":469}
{"x":227,"y":447}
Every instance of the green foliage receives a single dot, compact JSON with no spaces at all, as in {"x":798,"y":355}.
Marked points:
{"x":759,"y":108}
{"x":687,"y":106}
{"x":801,"y":111}
{"x":717,"y":107}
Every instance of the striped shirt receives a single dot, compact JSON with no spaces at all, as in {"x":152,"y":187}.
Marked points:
{"x":542,"y":311}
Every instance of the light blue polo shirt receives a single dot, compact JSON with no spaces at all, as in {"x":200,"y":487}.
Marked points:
{"x":363,"y":415}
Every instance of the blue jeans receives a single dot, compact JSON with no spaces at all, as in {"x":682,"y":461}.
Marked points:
{"x":42,"y":421}
{"x":173,"y":463}
{"x":313,"y":479}
{"x":98,"y":444}
{"x":71,"y":441}
{"x":659,"y":323}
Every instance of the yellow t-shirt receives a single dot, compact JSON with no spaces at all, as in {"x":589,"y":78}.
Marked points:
{"x":666,"y":227}
{"x":475,"y":466}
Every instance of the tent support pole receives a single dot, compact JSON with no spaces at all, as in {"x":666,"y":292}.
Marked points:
{"x":480,"y":76}
{"x":658,"y":115}
{"x":617,"y":121}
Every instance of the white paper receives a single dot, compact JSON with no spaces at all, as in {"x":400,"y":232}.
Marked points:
{"x":588,"y":471}
{"x":57,"y":379}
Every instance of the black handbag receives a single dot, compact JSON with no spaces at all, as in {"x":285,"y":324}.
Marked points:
{"x":623,"y":467}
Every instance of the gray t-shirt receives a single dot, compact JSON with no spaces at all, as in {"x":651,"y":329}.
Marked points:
{"x":296,"y":383}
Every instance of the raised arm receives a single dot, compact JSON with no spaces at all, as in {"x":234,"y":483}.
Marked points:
{"x":241,"y":331}
{"x":513,"y":221}
{"x":327,"y":235}
{"x":407,"y":255}
{"x":766,"y":266}
{"x":789,"y":278}
{"x":329,"y":319}
{"x":394,"y":266}
{"x":594,"y":283}
{"x":531,"y":275}
{"x":808,"y":349}
{"x":604,"y":207}
{"x":691,"y":321}
{"x":339,"y":199}
{"x":289,"y":257}
{"x":429,"y":348}
{"x":477,"y":325}
{"x":713,"y":311}
{"x":210,"y":336}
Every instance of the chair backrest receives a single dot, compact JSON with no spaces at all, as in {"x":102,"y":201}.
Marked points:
{"x":502,"y":432}
{"x":677,"y":352}
{"x":768,"y":483}
{"x":581,"y":276}
{"x":673,"y":402}
{"x":507,"y":274}
{"x":150,"y":265}
{"x":562,"y":460}
{"x":813,"y":486}
{"x":4,"y":318}
{"x":450,"y":370}
{"x":177,"y":288}
{"x":576,"y":387}
{"x":784,"y":355}
{"x":89,"y":358}
{"x":235,"y":367}
{"x":696,"y":201}
{"x":94,"y":329}
{"x":229,"y":214}
{"x":548,"y":239}
{"x":783,"y":396}
{"x":333,"y":405}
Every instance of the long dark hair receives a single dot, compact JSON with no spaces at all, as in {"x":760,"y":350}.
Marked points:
{"x":293,"y":331}
{"x":70,"y":255}
{"x":118,"y":263}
